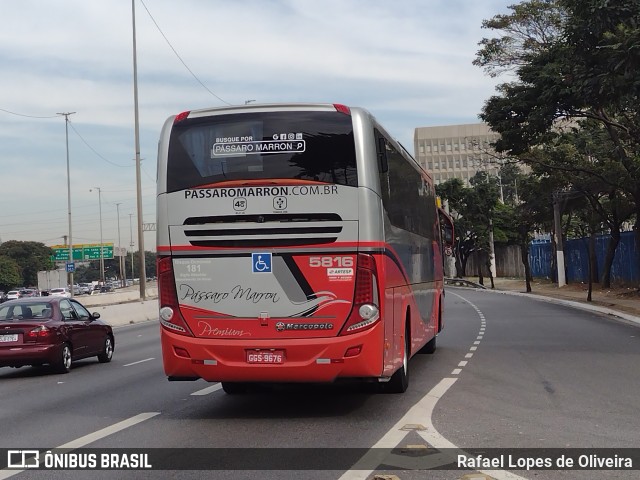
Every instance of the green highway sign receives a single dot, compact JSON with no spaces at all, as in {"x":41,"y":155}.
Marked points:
{"x":93,"y":253}
{"x":89,"y":251}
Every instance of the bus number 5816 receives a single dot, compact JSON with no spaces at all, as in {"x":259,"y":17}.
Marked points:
{"x":329,"y":262}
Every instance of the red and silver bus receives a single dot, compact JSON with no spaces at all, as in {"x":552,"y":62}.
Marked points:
{"x":295,"y":243}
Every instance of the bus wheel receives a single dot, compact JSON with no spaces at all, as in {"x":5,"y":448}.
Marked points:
{"x":400,"y":379}
{"x":430,"y":346}
{"x":233,"y":388}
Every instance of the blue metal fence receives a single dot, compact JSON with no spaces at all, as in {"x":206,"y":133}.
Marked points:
{"x":540,"y":259}
{"x":625,"y":268}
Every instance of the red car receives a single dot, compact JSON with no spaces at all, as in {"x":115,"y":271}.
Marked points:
{"x":51,"y":330}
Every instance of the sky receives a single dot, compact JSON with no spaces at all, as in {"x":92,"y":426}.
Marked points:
{"x":409,"y":62}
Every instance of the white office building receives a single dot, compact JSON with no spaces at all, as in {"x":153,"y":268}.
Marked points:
{"x":456,"y":151}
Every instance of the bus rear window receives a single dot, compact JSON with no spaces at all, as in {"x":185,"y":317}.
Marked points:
{"x":315,"y":146}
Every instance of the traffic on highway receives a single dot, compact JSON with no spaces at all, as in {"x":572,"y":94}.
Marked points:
{"x":531,"y":379}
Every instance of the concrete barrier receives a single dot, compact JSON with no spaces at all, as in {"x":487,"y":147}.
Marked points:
{"x":124,"y":306}
{"x":126,"y":313}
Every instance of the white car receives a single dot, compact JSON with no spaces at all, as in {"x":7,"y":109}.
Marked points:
{"x":59,"y":292}
{"x":13,"y":294}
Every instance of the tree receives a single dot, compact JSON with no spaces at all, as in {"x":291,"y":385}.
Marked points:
{"x":580,"y":157}
{"x":531,"y":28}
{"x":31,"y":257}
{"x":9,"y":273}
{"x":586,"y":68}
{"x":474,"y":209}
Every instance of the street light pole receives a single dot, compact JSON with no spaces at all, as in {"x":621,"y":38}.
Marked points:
{"x":101,"y":245}
{"x":131,"y":246}
{"x":142,"y":269}
{"x":66,"y":131}
{"x":120,"y":257}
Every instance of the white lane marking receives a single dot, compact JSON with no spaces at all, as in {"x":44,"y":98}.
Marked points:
{"x":208,"y":390}
{"x":433,"y":437}
{"x":416,"y":415}
{"x":92,"y":437}
{"x":473,"y":349}
{"x":139,"y":361}
{"x":105,"y":432}
{"x":396,"y":434}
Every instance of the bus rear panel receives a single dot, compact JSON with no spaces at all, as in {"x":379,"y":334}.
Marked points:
{"x":277,"y":261}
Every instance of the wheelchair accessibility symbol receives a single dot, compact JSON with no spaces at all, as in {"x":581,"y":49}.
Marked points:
{"x":261,"y":263}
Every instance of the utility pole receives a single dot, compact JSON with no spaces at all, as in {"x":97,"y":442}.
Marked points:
{"x":141,"y":269}
{"x":70,"y":264}
{"x":557,"y":227}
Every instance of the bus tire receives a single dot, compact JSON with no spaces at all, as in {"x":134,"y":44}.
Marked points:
{"x":234,"y":388}
{"x":429,"y":348}
{"x":399,"y":381}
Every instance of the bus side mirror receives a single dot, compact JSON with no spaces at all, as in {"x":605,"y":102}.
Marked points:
{"x":447,"y":230}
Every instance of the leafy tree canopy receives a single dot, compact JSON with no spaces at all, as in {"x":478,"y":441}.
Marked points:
{"x":30,"y":257}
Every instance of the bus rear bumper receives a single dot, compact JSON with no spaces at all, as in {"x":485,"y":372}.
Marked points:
{"x":358,"y":355}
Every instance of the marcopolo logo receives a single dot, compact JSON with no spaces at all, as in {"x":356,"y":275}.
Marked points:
{"x":282,"y":326}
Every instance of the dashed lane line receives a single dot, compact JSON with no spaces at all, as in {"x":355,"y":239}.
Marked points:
{"x":208,"y":390}
{"x":139,"y":361}
{"x":421,"y":414}
{"x":92,"y":437}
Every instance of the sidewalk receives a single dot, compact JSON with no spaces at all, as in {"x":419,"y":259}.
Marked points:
{"x":616,"y":300}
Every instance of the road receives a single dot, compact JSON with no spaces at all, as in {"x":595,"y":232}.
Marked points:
{"x":509,"y":372}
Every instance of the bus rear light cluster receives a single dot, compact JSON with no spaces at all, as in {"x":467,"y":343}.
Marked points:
{"x":181,"y":116}
{"x":342,"y":108}
{"x":365,"y":312}
{"x":170,"y":316}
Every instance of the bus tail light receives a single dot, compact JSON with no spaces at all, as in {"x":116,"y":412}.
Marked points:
{"x":342,"y":108}
{"x":365,"y":311}
{"x":181,"y":116}
{"x":170,"y":316}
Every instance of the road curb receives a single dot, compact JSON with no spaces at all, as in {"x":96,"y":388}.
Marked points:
{"x":569,"y":303}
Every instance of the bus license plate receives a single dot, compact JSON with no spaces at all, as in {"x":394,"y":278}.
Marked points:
{"x":9,"y":338}
{"x":265,"y":356}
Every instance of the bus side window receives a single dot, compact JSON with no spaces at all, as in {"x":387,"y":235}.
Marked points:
{"x":383,"y":165}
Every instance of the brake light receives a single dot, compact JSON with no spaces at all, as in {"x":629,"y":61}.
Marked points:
{"x":181,"y":116}
{"x":38,"y":332}
{"x":365,"y":311}
{"x":342,"y":108}
{"x":170,"y":316}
